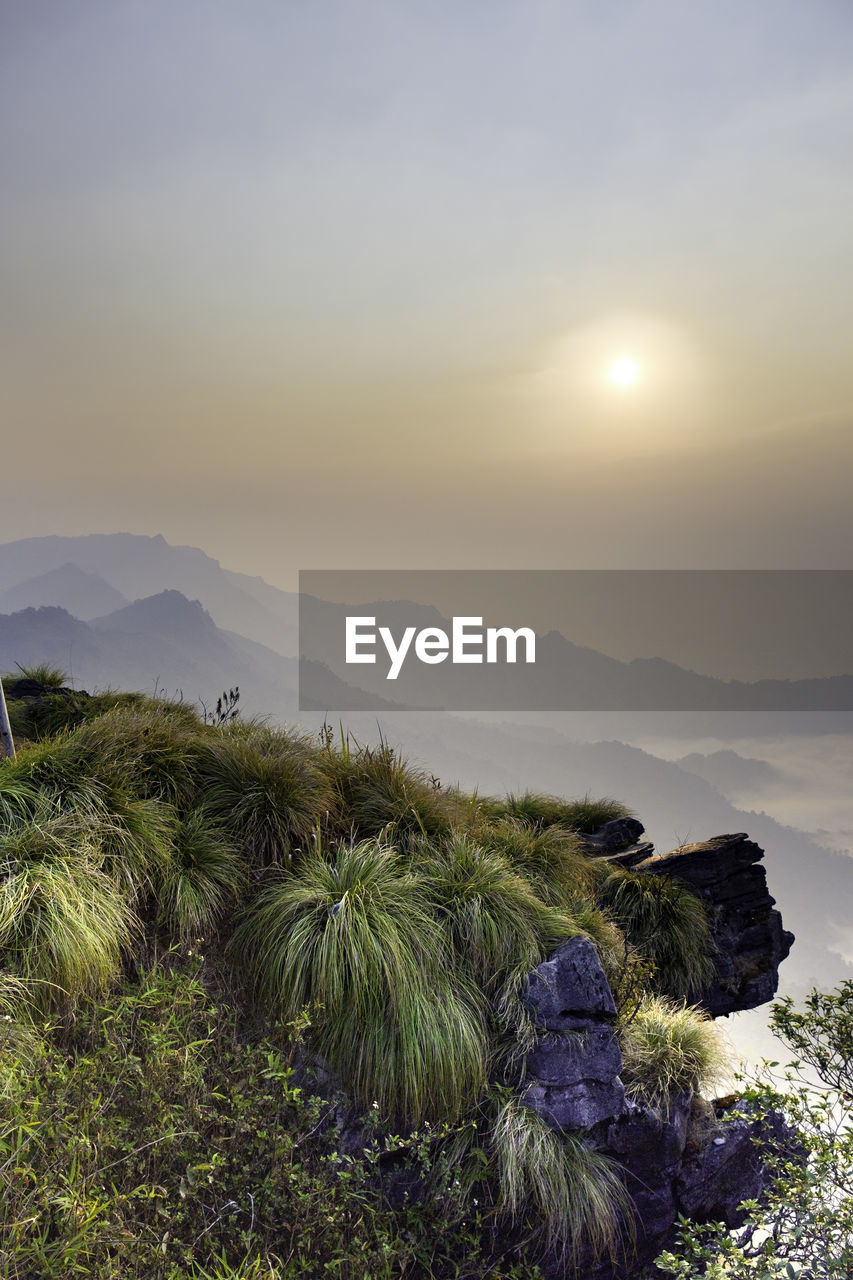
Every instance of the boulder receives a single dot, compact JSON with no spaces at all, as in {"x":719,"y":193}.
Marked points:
{"x":613,"y":836}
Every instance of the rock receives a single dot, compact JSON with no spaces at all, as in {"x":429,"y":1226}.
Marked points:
{"x":630,"y":857}
{"x":593,"y":1049}
{"x":569,"y":987}
{"x":576,"y":1106}
{"x":613,"y":836}
{"x":647,"y":1145}
{"x":572,"y":1071}
{"x":750,"y":941}
{"x":728,"y":1168}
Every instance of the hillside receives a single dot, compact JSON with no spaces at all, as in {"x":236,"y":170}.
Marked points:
{"x":170,"y":643}
{"x":299,"y":975}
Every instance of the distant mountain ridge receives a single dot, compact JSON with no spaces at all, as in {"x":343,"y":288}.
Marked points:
{"x":565,"y":676}
{"x":138,"y":566}
{"x":85,"y":595}
{"x":164,"y":642}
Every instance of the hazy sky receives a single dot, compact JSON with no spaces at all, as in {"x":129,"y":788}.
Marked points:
{"x":346,"y":283}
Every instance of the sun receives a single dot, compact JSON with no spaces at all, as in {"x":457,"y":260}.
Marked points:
{"x":623,"y":372}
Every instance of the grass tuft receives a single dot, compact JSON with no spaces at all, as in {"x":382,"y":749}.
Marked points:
{"x":264,"y":789}
{"x":63,"y":923}
{"x":45,"y":674}
{"x":352,"y":936}
{"x":669,"y":1049}
{"x":539,"y":811}
{"x":377,"y":790}
{"x":204,"y":876}
{"x":667,"y":924}
{"x":493,"y":919}
{"x":573,"y":1197}
{"x":552,"y":860}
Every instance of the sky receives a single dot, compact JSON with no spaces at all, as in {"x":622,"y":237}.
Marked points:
{"x":454,"y":283}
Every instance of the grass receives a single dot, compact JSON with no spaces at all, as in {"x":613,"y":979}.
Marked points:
{"x":35,"y":718}
{"x":264,"y":789}
{"x":553,"y":859}
{"x":493,"y":920}
{"x":351,"y":938}
{"x":43,"y":673}
{"x":569,"y":1195}
{"x":670,"y":1049}
{"x":668,"y":924}
{"x":377,"y":790}
{"x":342,"y":892}
{"x":539,"y":811}
{"x":63,"y":924}
{"x":202,"y":878}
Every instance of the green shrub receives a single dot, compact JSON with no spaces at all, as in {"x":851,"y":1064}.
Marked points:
{"x":154,"y":1138}
{"x":801,"y":1225}
{"x":148,"y":748}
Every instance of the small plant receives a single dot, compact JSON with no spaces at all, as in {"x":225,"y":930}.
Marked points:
{"x":226,"y":708}
{"x":801,"y":1225}
{"x":44,"y":674}
{"x":494,"y":921}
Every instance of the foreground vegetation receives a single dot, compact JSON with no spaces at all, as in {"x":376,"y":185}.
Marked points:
{"x":206,"y":929}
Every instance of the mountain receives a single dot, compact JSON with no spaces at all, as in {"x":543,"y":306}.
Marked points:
{"x":173,"y":640}
{"x":139,"y":566}
{"x":84,"y":595}
{"x":166,"y":643}
{"x":564,"y":676}
{"x":730,"y":772}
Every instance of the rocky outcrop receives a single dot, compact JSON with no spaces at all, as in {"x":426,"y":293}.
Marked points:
{"x":693,"y":1159}
{"x":749,"y":940}
{"x":614,"y":835}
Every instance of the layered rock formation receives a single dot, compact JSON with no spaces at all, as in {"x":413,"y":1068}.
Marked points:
{"x":750,"y":942}
{"x":572,"y":1072}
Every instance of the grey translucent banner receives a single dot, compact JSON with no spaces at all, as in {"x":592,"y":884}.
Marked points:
{"x":576,"y":640}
